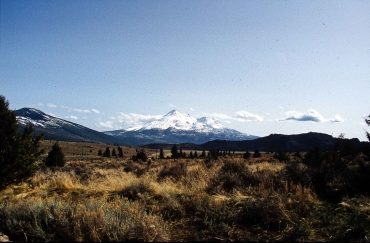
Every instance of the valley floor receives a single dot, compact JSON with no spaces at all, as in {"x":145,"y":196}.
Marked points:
{"x":228,"y":199}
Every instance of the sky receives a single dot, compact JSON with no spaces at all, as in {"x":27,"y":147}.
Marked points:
{"x":259,"y":67}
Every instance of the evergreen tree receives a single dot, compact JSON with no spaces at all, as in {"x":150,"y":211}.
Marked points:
{"x":191,"y":156}
{"x":120,"y":152}
{"x":100,"y":153}
{"x":140,"y":155}
{"x":247,"y":155}
{"x":161,"y":154}
{"x":174,"y":151}
{"x":114,"y":154}
{"x":203,"y":155}
{"x":106,"y":152}
{"x":55,"y":156}
{"x":195,"y":154}
{"x":18,"y":151}
{"x":367,"y":120}
{"x":256,"y":154}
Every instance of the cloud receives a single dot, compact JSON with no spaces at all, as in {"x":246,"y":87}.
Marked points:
{"x":72,"y":117}
{"x":74,"y":109}
{"x":241,"y":116}
{"x":51,"y":105}
{"x":107,"y":124}
{"x":95,"y":111}
{"x":337,"y":118}
{"x":220,"y":116}
{"x":247,"y":116}
{"x":133,"y":119}
{"x":310,"y":115}
{"x":127,"y":120}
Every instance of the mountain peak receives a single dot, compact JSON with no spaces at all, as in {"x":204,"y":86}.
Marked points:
{"x":176,"y":113}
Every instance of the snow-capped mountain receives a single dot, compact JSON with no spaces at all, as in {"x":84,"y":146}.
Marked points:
{"x":176,"y":127}
{"x":177,"y":120}
{"x":59,"y":129}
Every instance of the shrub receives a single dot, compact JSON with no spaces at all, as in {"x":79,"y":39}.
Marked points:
{"x":177,"y":171}
{"x":281,"y":156}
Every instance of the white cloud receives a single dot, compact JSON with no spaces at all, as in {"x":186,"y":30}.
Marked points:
{"x":72,"y":117}
{"x":107,"y":124}
{"x":310,"y":115}
{"x":127,"y":120}
{"x":241,"y":116}
{"x":95,"y":111}
{"x":75,"y":110}
{"x":79,"y":110}
{"x":219,"y":115}
{"x":247,"y":116}
{"x":337,"y":118}
{"x":51,"y":105}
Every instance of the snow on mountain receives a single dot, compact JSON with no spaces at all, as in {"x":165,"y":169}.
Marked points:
{"x":176,"y":127}
{"x":58,"y":129}
{"x":38,"y":118}
{"x":177,"y":120}
{"x":173,"y":119}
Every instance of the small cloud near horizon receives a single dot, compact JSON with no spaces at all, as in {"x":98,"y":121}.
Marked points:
{"x":311,"y":115}
{"x":247,"y":116}
{"x":241,"y":116}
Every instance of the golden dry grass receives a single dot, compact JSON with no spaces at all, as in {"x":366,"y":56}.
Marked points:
{"x":229,"y":199}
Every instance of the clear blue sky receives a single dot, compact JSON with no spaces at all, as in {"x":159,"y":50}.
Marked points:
{"x":260,"y":67}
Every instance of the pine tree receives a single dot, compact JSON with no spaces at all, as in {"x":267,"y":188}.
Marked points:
{"x":140,"y":155}
{"x":100,"y":153}
{"x":174,"y":151}
{"x":55,"y":156}
{"x":106,"y":152}
{"x":114,"y":154}
{"x":367,"y":120}
{"x":191,"y":156}
{"x":120,"y":152}
{"x":256,"y":154}
{"x":203,"y":155}
{"x":247,"y":155}
{"x":196,"y":154}
{"x":161,"y":154}
{"x":18,"y":151}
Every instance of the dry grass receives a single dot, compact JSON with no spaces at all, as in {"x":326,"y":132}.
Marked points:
{"x":229,"y":199}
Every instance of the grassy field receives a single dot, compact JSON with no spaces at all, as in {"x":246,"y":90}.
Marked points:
{"x":93,"y":198}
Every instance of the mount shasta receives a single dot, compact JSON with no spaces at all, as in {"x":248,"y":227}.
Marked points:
{"x":174,"y":127}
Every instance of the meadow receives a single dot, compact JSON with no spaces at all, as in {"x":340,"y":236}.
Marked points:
{"x":95,"y":198}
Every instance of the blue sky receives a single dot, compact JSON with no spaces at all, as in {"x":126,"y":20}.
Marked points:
{"x":260,"y":67}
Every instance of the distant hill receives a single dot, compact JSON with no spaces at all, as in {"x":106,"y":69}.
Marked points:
{"x":271,"y":143}
{"x":59,"y":129}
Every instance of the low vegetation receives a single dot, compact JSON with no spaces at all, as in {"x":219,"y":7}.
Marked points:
{"x":225,"y":199}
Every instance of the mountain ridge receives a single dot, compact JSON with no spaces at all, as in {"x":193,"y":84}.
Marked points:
{"x":58,"y":129}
